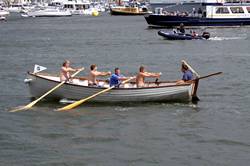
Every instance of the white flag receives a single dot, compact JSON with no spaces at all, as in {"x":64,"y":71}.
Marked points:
{"x":38,"y":68}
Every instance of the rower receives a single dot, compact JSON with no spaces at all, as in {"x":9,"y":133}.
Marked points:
{"x":116,"y":78}
{"x":65,"y":71}
{"x":140,"y":78}
{"x":187,"y":74}
{"x":94,"y":73}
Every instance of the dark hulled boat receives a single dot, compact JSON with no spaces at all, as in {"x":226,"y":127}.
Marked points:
{"x":215,"y":15}
{"x":182,"y":36}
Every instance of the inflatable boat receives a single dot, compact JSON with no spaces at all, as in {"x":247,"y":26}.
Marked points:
{"x":181,"y":36}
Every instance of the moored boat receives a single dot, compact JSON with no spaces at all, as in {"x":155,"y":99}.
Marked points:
{"x":134,"y":8}
{"x":47,"y":12}
{"x":122,"y":10}
{"x":76,"y":7}
{"x":40,"y":83}
{"x":3,"y":14}
{"x":180,"y":36}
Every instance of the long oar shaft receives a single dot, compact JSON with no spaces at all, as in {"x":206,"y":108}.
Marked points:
{"x":213,"y":74}
{"x":28,"y":106}
{"x":79,"y":102}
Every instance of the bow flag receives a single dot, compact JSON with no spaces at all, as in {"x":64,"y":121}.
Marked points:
{"x":38,"y":68}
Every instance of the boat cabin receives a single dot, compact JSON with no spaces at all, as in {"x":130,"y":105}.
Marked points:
{"x":75,"y":6}
{"x":228,"y":11}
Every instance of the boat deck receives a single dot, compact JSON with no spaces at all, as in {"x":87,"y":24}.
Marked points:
{"x":83,"y":81}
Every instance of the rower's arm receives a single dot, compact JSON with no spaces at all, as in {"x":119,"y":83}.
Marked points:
{"x":70,"y":69}
{"x":97,"y":73}
{"x":151,"y":74}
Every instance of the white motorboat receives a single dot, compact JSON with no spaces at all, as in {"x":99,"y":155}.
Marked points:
{"x":3,"y":14}
{"x":77,"y":7}
{"x":48,"y":12}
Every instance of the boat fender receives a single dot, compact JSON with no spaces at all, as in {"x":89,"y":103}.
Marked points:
{"x":27,"y":80}
{"x":95,"y":13}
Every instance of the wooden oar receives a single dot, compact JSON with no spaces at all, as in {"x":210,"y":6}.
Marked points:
{"x":196,"y":81}
{"x":28,"y":106}
{"x":213,"y":74}
{"x":199,"y":78}
{"x":79,"y":102}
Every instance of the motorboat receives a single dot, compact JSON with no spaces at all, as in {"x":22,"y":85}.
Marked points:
{"x":3,"y":14}
{"x":77,"y":7}
{"x":130,"y":9}
{"x":214,"y":13}
{"x":183,"y":36}
{"x":48,"y":12}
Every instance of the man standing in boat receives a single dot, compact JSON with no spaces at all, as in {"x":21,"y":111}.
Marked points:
{"x":94,"y":73}
{"x":181,"y":29}
{"x":187,"y":74}
{"x":140,"y":78}
{"x":65,"y":73}
{"x":116,"y":78}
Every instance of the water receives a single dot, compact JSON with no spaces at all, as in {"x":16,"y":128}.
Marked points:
{"x":213,"y":132}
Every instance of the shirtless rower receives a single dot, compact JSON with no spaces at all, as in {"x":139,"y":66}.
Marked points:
{"x":66,"y":69}
{"x":140,"y":78}
{"x":94,"y":73}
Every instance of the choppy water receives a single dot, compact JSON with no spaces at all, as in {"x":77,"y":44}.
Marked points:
{"x":213,"y":132}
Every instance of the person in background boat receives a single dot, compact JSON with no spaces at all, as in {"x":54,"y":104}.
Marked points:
{"x":193,"y":12}
{"x":187,"y":74}
{"x":140,"y":78}
{"x":199,"y":12}
{"x":66,"y":70}
{"x":181,"y":29}
{"x":193,"y":33}
{"x":116,"y":78}
{"x":94,"y":73}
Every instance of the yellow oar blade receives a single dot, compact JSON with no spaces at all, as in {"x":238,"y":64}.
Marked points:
{"x":79,"y":102}
{"x":20,"y":108}
{"x":28,"y":106}
{"x":23,"y":108}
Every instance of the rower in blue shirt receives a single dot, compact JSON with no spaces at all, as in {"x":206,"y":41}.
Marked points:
{"x":116,"y":78}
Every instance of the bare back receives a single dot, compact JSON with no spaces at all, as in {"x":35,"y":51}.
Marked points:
{"x":64,"y":74}
{"x":140,"y":79}
{"x":92,"y":77}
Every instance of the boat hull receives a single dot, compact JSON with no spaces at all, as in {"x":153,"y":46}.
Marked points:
{"x":38,"y":86}
{"x":122,"y":13}
{"x":173,"y":21}
{"x":178,"y":36}
{"x":47,"y":13}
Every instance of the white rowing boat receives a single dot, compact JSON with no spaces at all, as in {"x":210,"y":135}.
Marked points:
{"x":39,"y":83}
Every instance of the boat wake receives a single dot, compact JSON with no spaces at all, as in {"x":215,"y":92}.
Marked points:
{"x":226,"y":38}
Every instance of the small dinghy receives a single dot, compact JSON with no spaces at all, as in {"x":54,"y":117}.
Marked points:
{"x":180,"y":36}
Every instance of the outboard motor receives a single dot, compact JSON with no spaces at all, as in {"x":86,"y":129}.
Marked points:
{"x":206,"y":35}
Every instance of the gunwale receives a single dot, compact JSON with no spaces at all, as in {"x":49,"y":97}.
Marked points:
{"x":102,"y":88}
